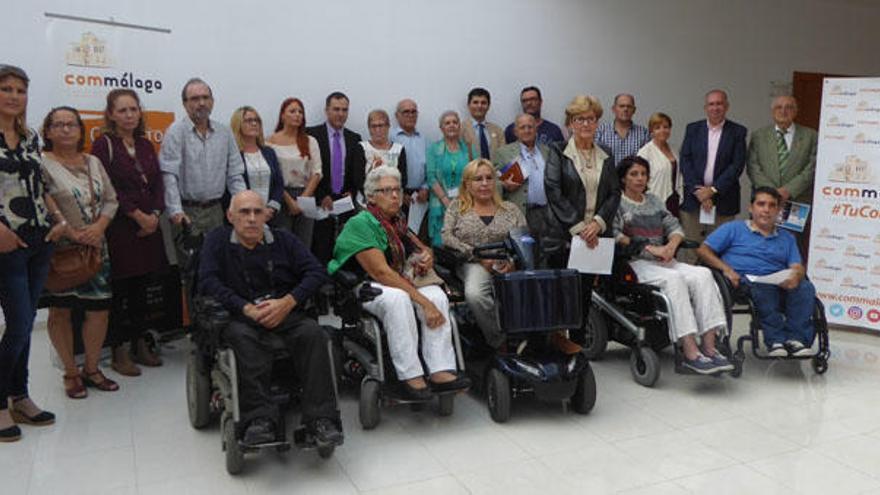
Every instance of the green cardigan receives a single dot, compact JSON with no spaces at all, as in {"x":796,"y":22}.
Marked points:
{"x":361,"y":232}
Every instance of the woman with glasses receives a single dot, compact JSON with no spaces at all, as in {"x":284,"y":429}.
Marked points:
{"x":379,"y":150}
{"x":479,"y":216}
{"x":581,"y":184}
{"x":86,"y":199}
{"x":376,"y":243}
{"x":134,"y":239}
{"x":262,"y":173}
{"x":445,"y":162}
{"x":25,"y":248}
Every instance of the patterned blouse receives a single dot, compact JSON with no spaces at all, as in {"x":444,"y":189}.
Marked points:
{"x":465,"y":231}
{"x":70,"y":190}
{"x":21,"y":186}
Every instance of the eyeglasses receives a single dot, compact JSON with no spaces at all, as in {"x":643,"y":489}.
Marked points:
{"x":64,"y":125}
{"x":585,"y":120}
{"x":389,"y":190}
{"x":379,"y":126}
{"x":409,"y":112}
{"x":482,"y":178}
{"x":252,"y":120}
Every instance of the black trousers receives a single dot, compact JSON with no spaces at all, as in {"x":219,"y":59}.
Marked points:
{"x":308,"y":346}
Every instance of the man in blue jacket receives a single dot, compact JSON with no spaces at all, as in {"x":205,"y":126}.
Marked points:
{"x":263,"y":277}
{"x":713,"y":156}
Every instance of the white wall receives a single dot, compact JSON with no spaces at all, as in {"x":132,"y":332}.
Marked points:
{"x":668,"y":53}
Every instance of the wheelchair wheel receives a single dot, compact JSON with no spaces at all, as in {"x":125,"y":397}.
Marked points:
{"x":498,"y":392}
{"x":645,"y":366}
{"x":326,"y":451}
{"x":820,"y":365}
{"x":369,"y":404}
{"x":596,"y":335}
{"x":446,"y":403}
{"x":198,"y":392}
{"x":234,"y":456}
{"x":584,"y":397}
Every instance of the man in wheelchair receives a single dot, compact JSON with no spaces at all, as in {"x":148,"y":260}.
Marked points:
{"x":263,"y":277}
{"x":758,"y":247}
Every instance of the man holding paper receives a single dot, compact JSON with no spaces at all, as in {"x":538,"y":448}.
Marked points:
{"x":712,"y":157}
{"x":521,"y":167}
{"x":755,"y":247}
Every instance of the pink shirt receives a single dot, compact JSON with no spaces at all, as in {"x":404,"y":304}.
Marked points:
{"x":714,"y":140}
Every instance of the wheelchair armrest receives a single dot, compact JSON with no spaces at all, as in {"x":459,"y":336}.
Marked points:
{"x":367,"y":293}
{"x":689,"y":244}
{"x":448,"y":258}
{"x":346,"y":279}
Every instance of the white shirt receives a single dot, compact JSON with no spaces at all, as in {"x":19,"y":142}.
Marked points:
{"x":787,"y":134}
{"x":712,"y":152}
{"x":258,"y":173}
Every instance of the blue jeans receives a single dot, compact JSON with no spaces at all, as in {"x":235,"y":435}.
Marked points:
{"x":22,"y":274}
{"x":784,"y":314}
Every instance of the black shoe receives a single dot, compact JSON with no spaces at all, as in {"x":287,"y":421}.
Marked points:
{"x":408,"y":392}
{"x":326,"y":432}
{"x":11,"y":434}
{"x":261,"y":430}
{"x":461,"y":382}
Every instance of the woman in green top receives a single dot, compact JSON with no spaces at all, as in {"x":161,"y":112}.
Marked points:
{"x":445,"y":163}
{"x":377,"y":242}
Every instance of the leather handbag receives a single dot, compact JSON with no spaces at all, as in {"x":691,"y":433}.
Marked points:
{"x":74,"y":264}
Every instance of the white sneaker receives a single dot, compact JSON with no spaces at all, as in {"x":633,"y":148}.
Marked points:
{"x":777,"y":350}
{"x":797,"y":349}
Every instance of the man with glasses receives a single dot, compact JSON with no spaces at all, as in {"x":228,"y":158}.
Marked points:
{"x":622,"y":136}
{"x":712,"y":157}
{"x":415,"y":146}
{"x":548,"y":132}
{"x":200,"y":162}
{"x":343,"y":167}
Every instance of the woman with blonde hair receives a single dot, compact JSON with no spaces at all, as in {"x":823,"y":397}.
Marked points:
{"x":261,"y":171}
{"x":479,"y":216}
{"x":665,"y":181}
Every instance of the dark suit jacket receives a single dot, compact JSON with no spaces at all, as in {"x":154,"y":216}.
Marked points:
{"x":355,"y":162}
{"x":730,"y":161}
{"x":567,"y":198}
{"x":276,"y":181}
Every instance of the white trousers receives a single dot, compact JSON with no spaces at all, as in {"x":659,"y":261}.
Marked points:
{"x":394,"y":309}
{"x":697,"y":306}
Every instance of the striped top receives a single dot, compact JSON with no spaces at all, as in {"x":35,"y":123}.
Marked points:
{"x":645,"y":223}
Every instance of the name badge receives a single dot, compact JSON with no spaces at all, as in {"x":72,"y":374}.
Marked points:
{"x":452,"y":193}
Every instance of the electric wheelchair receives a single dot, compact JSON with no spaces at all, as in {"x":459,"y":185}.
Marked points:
{"x":639,"y":316}
{"x":212,"y":381}
{"x":530,"y":304}
{"x":738,"y":301}
{"x":362,"y":356}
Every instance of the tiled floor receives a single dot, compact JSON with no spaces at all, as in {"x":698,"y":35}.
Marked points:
{"x":778,"y":429}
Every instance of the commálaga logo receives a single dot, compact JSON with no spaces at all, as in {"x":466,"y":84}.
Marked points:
{"x":853,"y":169}
{"x":92,"y":52}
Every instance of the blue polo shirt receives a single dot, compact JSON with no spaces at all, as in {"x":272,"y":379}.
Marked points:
{"x":748,"y":251}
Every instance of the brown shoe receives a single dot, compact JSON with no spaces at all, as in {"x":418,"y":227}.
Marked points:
{"x":143,"y":355}
{"x":561,"y":342}
{"x":122,"y":362}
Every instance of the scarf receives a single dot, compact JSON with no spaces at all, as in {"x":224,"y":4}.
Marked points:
{"x":396,"y":230}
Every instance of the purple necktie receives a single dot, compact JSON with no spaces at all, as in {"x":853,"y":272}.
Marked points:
{"x":337,"y":168}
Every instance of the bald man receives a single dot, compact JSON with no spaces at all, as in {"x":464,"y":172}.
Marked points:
{"x":783,"y":156}
{"x":263,"y":277}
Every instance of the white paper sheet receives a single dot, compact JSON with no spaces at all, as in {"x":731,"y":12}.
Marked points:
{"x":343,"y":205}
{"x":707,"y":217}
{"x":586,"y":260}
{"x":310,"y":209}
{"x":773,"y":279}
{"x":417,"y":213}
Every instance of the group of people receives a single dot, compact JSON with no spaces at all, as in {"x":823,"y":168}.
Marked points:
{"x":262,"y":257}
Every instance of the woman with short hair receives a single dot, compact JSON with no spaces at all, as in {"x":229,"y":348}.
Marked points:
{"x":446,"y":160}
{"x":665,"y":182}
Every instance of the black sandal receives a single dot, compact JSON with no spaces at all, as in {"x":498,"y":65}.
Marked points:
{"x":43,"y":418}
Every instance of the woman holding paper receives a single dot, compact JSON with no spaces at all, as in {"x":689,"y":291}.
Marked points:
{"x":446,"y":160}
{"x":262,"y":173}
{"x":300,"y":162}
{"x":647,"y":232}
{"x":580,"y":183}
{"x":379,"y":150}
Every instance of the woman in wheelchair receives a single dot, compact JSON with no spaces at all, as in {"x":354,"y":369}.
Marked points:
{"x":479,"y":216}
{"x":650,"y":235}
{"x":378,"y":243}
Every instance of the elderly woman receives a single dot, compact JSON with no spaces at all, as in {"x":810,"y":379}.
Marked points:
{"x":580,"y":182}
{"x":25,"y":249}
{"x":134,"y":240}
{"x":86,"y":199}
{"x":300,"y":160}
{"x":650,"y":235}
{"x":261,"y":171}
{"x":379,"y":150}
{"x":376,"y":242}
{"x":665,"y":181}
{"x":446,"y":160}
{"x":478,"y":216}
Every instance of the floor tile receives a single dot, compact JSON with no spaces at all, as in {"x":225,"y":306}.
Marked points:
{"x":808,"y":472}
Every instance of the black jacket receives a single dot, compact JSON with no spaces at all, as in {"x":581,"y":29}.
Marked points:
{"x":567,"y":198}
{"x":355,"y":162}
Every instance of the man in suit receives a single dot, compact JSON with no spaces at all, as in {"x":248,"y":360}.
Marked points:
{"x":712,"y":157}
{"x":484,"y":137}
{"x":783,"y":156}
{"x":343,"y":168}
{"x":531,"y":156}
